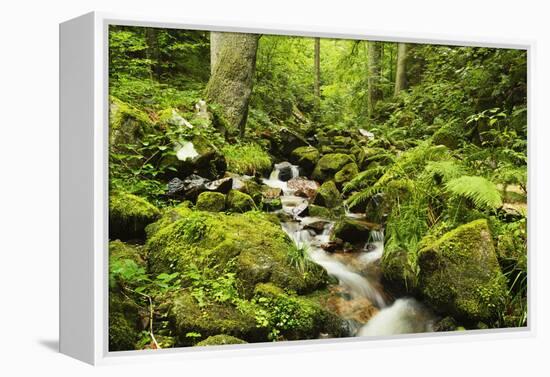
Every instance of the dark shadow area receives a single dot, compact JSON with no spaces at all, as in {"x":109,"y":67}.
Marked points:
{"x":52,"y":345}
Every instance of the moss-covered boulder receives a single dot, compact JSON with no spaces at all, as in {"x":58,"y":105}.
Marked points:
{"x":190,"y":318}
{"x":124,"y":322}
{"x":328,"y":195}
{"x":352,"y":230}
{"x":129,"y":215}
{"x":219,"y":340}
{"x":211,"y":201}
{"x":293,"y":317}
{"x":460,"y":275}
{"x":330,"y":164}
{"x":239,"y":202}
{"x":306,"y":158}
{"x":119,"y":250}
{"x":319,"y":211}
{"x":346,"y":174}
{"x":449,"y":135}
{"x":251,"y":245}
{"x":127,"y":125}
{"x":271,"y":205}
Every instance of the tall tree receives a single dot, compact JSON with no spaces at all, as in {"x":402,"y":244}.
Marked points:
{"x":153,"y":51}
{"x":374,"y":89}
{"x":317,"y":73}
{"x":401,"y":70}
{"x":233,"y":62}
{"x":215,"y":41}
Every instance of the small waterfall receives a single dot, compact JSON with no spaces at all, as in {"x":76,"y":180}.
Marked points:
{"x":404,"y":316}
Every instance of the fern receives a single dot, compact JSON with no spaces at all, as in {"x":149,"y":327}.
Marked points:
{"x":482,"y":192}
{"x":363,"y":179}
{"x":446,"y":169}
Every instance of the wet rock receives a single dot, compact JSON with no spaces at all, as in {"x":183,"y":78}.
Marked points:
{"x":271,"y":205}
{"x":356,"y":232}
{"x":286,"y":171}
{"x":319,"y":211}
{"x":301,"y":210}
{"x":446,"y":324}
{"x":328,"y":195}
{"x":303,"y":187}
{"x":317,"y":226}
{"x":334,"y":245}
{"x":290,"y":140}
{"x":190,"y":187}
{"x":222,"y":185}
{"x":271,"y":192}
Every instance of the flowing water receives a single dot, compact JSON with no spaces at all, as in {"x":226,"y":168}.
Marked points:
{"x":359,"y":296}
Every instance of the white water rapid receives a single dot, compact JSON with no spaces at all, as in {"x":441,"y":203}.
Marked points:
{"x":404,"y":315}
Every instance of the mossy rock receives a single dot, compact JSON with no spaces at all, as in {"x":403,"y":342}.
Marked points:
{"x":328,"y":195}
{"x":449,"y":135}
{"x":209,"y":319}
{"x":254,"y":189}
{"x":124,"y":323}
{"x":306,"y":158}
{"x":129,"y":215}
{"x":319,"y":211}
{"x":346,"y":174}
{"x":330,"y":164}
{"x":211,"y":201}
{"x":271,"y":205}
{"x":119,"y":250}
{"x":353,"y":231}
{"x":460,"y":275}
{"x":296,"y":317}
{"x":252,"y":245}
{"x":127,"y":125}
{"x":239,"y":202}
{"x":219,"y":340}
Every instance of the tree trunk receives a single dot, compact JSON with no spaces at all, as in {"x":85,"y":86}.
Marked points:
{"x":153,"y":51}
{"x":317,"y":72}
{"x":215,"y":43}
{"x":233,"y":65}
{"x":374,"y":90}
{"x":401,"y":70}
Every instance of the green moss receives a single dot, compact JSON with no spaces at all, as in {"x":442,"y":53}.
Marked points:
{"x":305,"y":157}
{"x":449,"y":135}
{"x":319,"y":211}
{"x":328,"y":195}
{"x":346,"y":174}
{"x":270,"y":205}
{"x":127,"y":124}
{"x":460,"y":275}
{"x":129,"y":215}
{"x":120,"y":250}
{"x":211,"y":201}
{"x":209,"y":319}
{"x":247,"y":159}
{"x":123,"y":323}
{"x":293,"y":317}
{"x":251,"y":245}
{"x":330,"y":164}
{"x":218,"y":340}
{"x":239,"y":202}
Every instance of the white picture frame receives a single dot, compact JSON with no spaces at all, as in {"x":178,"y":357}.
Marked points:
{"x":84,"y":191}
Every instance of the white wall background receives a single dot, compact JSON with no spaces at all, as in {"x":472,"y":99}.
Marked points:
{"x":29,"y":184}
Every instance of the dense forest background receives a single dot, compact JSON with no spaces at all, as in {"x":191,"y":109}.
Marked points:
{"x":429,"y":141}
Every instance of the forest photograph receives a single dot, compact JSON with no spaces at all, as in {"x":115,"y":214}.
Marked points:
{"x":269,"y":188}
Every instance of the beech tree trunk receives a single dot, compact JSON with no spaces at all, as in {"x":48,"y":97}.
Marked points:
{"x":401,"y":70}
{"x":233,"y":63}
{"x":374,"y":89}
{"x":215,"y":41}
{"x":317,"y":73}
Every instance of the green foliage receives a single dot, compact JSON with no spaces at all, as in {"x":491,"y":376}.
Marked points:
{"x":482,"y":192}
{"x":246,"y":159}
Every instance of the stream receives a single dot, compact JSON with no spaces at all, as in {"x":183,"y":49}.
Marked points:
{"x":359,"y":296}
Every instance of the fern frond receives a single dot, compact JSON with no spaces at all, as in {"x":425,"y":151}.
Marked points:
{"x":363,"y":178}
{"x":446,"y":169}
{"x":482,"y":192}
